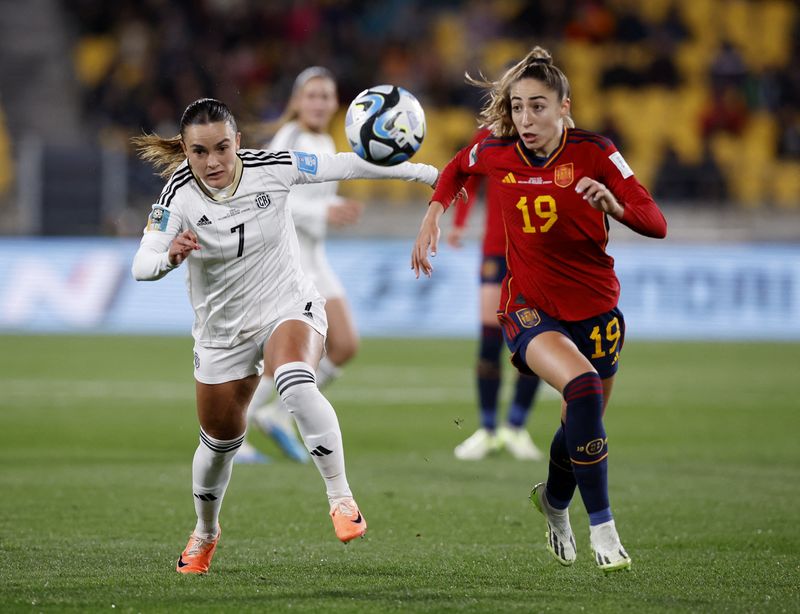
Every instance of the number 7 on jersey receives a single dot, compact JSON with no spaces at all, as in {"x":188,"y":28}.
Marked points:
{"x":239,"y":228}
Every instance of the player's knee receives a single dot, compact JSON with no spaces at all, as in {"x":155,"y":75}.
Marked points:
{"x":343,"y":351}
{"x":295,"y":383}
{"x":488,"y":369}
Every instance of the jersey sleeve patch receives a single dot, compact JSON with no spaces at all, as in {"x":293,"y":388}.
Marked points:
{"x":473,"y":155}
{"x":621,"y":165}
{"x":306,"y":162}
{"x":158,"y":219}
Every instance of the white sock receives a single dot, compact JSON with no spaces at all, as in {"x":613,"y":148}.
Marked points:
{"x":211,"y":472}
{"x":261,"y":396}
{"x":317,"y":423}
{"x":327,"y":372}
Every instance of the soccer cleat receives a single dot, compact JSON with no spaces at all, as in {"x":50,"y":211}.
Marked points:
{"x":196,"y":557}
{"x":608,"y":551}
{"x":275,"y":422}
{"x":560,"y":539}
{"x":478,"y":445}
{"x":347,"y":520}
{"x":248,"y":454}
{"x":519,"y":443}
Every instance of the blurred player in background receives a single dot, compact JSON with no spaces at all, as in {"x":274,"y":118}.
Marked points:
{"x":304,"y":126}
{"x":224,"y":211}
{"x":557,"y":187}
{"x":513,"y":436}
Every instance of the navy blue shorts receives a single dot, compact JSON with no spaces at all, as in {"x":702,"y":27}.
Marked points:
{"x":599,"y":338}
{"x":493,"y":269}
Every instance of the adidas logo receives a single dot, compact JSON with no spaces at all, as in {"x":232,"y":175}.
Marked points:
{"x":509,"y":178}
{"x":321,"y":451}
{"x":203,"y":221}
{"x":307,"y":312}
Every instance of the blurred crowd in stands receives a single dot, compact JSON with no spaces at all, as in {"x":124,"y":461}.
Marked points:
{"x":693,"y":91}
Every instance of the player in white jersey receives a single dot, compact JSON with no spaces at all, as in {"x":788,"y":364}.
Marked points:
{"x":304,"y":127}
{"x":224,"y":211}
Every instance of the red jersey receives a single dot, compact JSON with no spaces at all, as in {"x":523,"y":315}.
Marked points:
{"x":494,"y":235}
{"x":555,"y":240}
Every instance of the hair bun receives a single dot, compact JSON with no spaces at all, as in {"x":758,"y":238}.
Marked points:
{"x":542,"y":61}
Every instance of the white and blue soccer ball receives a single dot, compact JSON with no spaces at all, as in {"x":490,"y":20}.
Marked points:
{"x":385,"y":125}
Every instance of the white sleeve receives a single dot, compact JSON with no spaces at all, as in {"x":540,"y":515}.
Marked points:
{"x":315,"y":168}
{"x":151,"y":261}
{"x":309,"y":211}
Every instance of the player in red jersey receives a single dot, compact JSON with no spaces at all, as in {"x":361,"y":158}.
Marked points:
{"x":512,"y":436}
{"x":557,"y":187}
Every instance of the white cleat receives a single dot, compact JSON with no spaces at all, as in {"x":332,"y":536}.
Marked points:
{"x":560,"y":539}
{"x":248,"y":454}
{"x":608,"y":551}
{"x":478,"y":445}
{"x":519,"y":443}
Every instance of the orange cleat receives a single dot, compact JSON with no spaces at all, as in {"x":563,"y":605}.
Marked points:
{"x":347,"y":520}
{"x":196,"y":558}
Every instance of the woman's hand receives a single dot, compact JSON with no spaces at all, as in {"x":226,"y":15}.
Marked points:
{"x":345,"y":213}
{"x":599,"y":197}
{"x":182,"y":246}
{"x":427,"y":238}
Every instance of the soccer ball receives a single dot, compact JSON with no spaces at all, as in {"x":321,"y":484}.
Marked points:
{"x":385,"y":125}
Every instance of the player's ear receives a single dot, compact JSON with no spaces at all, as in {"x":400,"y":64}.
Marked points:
{"x":566,"y":104}
{"x":238,"y":140}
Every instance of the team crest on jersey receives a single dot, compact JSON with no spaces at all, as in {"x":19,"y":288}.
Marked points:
{"x":528,"y":318}
{"x":563,"y":175}
{"x":263,"y":201}
{"x":306,"y":162}
{"x":158,"y":218}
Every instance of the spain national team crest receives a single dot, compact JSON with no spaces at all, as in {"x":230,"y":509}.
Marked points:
{"x":563,"y":175}
{"x":528,"y":318}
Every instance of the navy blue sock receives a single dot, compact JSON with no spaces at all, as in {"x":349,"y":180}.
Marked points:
{"x":587,"y":443}
{"x":527,"y":385}
{"x":488,"y":374}
{"x":560,"y":478}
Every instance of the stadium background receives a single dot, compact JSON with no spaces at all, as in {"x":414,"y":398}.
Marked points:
{"x":702,"y":97}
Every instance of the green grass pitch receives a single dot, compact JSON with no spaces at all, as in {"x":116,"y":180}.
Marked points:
{"x":97,"y":435}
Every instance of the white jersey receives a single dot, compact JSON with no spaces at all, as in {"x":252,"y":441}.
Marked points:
{"x":309,"y":203}
{"x":247,"y":269}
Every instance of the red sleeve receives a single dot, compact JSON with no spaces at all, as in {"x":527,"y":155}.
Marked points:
{"x":463,"y":209}
{"x":455,"y":175}
{"x":641,"y":212}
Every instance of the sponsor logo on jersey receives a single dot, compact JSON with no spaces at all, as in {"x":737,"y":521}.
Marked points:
{"x":263,"y":201}
{"x":307,"y":311}
{"x":306,"y":162}
{"x":203,"y":221}
{"x":624,"y":170}
{"x":158,"y":219}
{"x":528,"y":318}
{"x":563,"y":175}
{"x":509,"y":178}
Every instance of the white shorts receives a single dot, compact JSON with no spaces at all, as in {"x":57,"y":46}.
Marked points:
{"x":218,"y":365}
{"x":315,"y":265}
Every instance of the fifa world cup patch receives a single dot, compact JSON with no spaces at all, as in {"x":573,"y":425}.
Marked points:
{"x":473,"y":155}
{"x":306,"y":162}
{"x":528,"y":318}
{"x":158,"y":219}
{"x":625,"y":170}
